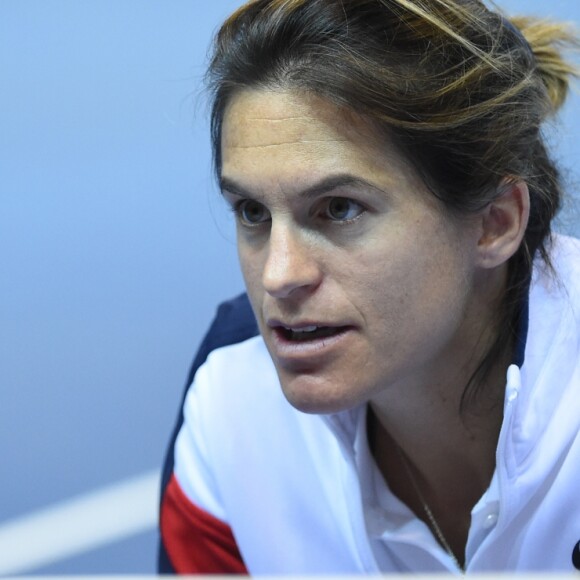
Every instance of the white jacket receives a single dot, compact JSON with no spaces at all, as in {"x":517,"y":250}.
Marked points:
{"x":300,"y":494}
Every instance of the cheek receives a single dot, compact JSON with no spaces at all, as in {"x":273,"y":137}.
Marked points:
{"x":441,"y":298}
{"x":251,"y":266}
{"x":412,"y":281}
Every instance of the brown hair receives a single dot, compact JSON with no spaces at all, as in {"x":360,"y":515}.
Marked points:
{"x":461,"y":89}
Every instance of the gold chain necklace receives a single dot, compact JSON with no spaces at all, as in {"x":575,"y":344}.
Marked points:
{"x":434,"y":525}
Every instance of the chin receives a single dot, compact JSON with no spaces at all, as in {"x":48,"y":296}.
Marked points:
{"x":314,"y":400}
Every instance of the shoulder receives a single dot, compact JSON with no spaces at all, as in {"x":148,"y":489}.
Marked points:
{"x":565,"y":255}
{"x":552,"y":357}
{"x":195,"y":533}
{"x":552,"y":354}
{"x":557,"y":288}
{"x":233,"y":325}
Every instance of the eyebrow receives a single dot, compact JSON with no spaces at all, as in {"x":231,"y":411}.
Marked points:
{"x":325,"y":185}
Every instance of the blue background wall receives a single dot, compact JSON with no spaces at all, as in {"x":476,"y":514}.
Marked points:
{"x":114,"y":247}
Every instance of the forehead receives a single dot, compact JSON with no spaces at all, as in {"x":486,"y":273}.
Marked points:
{"x":264,"y":118}
{"x":287,"y":139}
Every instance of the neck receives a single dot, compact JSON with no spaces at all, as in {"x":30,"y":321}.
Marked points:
{"x":437,"y":436}
{"x":424,"y":442}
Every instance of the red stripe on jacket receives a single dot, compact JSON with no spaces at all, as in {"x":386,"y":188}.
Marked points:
{"x":196,"y":542}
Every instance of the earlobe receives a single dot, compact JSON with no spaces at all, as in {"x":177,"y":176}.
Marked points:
{"x":503,"y":224}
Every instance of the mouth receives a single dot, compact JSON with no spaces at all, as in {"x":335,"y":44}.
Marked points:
{"x":306,"y":333}
{"x":307,"y":342}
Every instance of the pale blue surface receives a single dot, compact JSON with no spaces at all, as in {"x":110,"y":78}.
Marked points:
{"x":111,"y":258}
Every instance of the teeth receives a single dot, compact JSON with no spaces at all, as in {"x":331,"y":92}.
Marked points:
{"x":307,"y":329}
{"x":311,"y":328}
{"x":311,"y":332}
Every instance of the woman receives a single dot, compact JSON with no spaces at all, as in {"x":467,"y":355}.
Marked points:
{"x":407,"y":400}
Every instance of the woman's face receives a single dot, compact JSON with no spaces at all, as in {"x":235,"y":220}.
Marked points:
{"x":361,"y":284}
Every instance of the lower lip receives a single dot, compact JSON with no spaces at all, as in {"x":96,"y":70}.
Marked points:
{"x":304,"y":351}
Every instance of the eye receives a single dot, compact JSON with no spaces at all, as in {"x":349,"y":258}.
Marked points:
{"x":343,"y":209}
{"x":251,"y":212}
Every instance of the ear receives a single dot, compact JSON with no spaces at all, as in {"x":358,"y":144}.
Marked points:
{"x":503,"y":224}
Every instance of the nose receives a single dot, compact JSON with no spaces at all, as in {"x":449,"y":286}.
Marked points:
{"x":290,"y":265}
